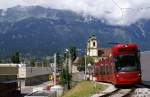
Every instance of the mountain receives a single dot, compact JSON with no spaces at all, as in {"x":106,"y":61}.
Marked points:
{"x":42,"y":31}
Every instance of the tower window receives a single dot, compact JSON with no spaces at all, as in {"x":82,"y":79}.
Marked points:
{"x":93,"y":43}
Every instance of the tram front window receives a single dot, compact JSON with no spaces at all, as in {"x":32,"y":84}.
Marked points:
{"x":128,"y":62}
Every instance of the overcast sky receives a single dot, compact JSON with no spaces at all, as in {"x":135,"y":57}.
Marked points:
{"x":115,"y":12}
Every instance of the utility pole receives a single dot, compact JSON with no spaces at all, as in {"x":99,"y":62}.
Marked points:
{"x":54,"y":73}
{"x":85,"y":68}
{"x":68,"y":68}
{"x":70,"y":63}
{"x":68,"y":75}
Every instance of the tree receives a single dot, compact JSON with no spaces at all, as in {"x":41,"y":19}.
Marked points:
{"x":89,"y":59}
{"x":65,"y":75}
{"x":72,"y":50}
{"x":15,"y":58}
{"x":81,"y":66}
{"x":45,"y":62}
{"x":65,"y":78}
{"x":0,"y":60}
{"x":32,"y":62}
{"x":58,"y":58}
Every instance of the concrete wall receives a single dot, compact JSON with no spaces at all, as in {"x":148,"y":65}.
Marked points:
{"x":25,"y":75}
{"x":33,"y":75}
{"x":8,"y":70}
{"x":26,"y":72}
{"x":145,"y":66}
{"x":31,"y":81}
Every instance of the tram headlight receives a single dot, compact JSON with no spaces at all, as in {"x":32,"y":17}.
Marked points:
{"x":140,"y":74}
{"x":117,"y":75}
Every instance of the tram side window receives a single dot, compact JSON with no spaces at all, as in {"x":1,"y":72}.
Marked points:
{"x":96,"y":71}
{"x":113,"y":69}
{"x":99,"y":70}
{"x":110,"y":69}
{"x":106,"y":69}
{"x":102,"y":70}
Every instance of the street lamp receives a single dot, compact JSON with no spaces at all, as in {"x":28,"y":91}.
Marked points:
{"x":69,"y":60}
{"x":54,"y":72}
{"x":68,"y":67}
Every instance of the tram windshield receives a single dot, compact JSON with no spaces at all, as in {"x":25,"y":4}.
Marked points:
{"x":128,"y":62}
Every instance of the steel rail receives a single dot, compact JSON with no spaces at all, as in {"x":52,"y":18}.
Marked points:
{"x":119,"y":93}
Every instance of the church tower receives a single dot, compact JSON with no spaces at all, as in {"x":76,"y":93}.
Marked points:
{"x":92,"y":46}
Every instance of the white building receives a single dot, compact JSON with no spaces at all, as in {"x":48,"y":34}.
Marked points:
{"x":92,"y":47}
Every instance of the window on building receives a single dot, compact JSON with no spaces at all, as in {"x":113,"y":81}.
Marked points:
{"x":93,"y":43}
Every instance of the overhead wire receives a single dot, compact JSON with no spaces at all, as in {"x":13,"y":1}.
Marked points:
{"x":118,"y":6}
{"x":131,"y":9}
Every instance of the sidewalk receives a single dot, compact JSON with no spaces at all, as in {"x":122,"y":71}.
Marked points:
{"x":29,"y":89}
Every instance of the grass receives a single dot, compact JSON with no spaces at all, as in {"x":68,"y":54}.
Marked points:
{"x":84,"y":89}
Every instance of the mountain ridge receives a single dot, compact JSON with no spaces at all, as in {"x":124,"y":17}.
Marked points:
{"x":42,"y":31}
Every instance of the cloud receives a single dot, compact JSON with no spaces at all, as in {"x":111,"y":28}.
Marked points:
{"x":114,"y":12}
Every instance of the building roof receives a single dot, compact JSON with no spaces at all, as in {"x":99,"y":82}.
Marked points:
{"x":104,"y":52}
{"x":93,"y":37}
{"x":76,"y":61}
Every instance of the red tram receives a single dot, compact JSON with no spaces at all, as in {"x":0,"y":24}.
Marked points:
{"x":121,"y":67}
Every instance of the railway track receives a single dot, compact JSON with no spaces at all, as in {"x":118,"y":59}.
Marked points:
{"x":119,"y":93}
{"x":139,"y":90}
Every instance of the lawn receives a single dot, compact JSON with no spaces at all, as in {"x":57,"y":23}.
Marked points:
{"x":84,"y":89}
